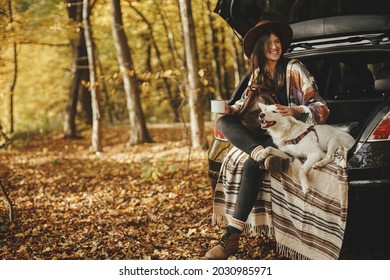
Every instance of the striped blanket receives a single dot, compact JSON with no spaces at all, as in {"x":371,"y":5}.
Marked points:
{"x":307,"y":226}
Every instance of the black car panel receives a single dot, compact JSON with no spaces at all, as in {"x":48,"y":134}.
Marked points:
{"x":241,"y":15}
{"x":341,"y":25}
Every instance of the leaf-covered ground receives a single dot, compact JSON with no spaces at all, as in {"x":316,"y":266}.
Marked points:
{"x":141,"y":202}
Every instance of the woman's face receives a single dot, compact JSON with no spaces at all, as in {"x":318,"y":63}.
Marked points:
{"x":273,"y":50}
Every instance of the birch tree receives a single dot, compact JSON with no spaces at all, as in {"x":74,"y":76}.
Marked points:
{"x":96,"y":123}
{"x":195,"y":98}
{"x":79,"y":69}
{"x":15,"y":59}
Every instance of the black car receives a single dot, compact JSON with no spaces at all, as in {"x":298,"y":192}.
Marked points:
{"x":346,"y":46}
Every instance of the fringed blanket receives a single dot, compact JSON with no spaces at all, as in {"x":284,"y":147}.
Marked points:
{"x":307,"y":226}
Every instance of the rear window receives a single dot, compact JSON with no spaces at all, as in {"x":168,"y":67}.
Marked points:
{"x":348,"y":76}
{"x":348,"y":83}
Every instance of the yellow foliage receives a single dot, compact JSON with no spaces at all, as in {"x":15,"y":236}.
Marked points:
{"x":201,"y":73}
{"x":44,"y":59}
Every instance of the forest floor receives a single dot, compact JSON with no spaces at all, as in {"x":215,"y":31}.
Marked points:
{"x":150,"y":201}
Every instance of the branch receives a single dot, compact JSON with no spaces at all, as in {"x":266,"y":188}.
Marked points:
{"x":187,"y":131}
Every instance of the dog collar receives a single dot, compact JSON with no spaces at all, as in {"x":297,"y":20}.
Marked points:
{"x":301,"y":136}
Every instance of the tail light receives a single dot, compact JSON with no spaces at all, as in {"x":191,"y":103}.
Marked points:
{"x":382,"y":130}
{"x":218,"y":134}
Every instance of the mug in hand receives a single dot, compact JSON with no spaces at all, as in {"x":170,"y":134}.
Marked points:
{"x":218,"y":106}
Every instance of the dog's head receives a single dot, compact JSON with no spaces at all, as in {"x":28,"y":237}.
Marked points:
{"x":269,"y":116}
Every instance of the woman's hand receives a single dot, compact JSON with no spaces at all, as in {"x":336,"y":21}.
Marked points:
{"x":285,"y":110}
{"x":228,"y":109}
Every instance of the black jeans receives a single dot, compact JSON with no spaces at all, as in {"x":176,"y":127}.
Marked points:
{"x":239,"y":136}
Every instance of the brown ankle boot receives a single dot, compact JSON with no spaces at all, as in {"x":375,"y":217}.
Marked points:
{"x":227,"y":246}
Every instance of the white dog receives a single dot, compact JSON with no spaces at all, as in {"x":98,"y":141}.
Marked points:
{"x":316,"y":143}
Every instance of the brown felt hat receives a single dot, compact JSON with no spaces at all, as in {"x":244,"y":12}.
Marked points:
{"x":283,"y":29}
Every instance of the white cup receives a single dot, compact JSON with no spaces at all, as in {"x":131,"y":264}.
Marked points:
{"x":218,"y":106}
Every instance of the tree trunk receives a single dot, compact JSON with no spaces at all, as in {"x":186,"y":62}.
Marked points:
{"x":108,"y":105}
{"x":96,"y":123}
{"x":139,"y":133}
{"x":233,"y":51}
{"x":12,"y":88}
{"x":195,"y":99}
{"x":85,"y":97}
{"x":174,"y":101}
{"x":215,"y":53}
{"x":70,"y":129}
{"x":80,"y":74}
{"x":4,"y":139}
{"x":241,"y":62}
{"x":177,"y":61}
{"x":171,"y":41}
{"x":224,"y":73}
{"x":11,"y":209}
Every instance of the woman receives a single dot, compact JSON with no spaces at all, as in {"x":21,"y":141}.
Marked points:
{"x":264,"y":45}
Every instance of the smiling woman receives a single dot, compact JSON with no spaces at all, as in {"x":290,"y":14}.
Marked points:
{"x":297,"y":95}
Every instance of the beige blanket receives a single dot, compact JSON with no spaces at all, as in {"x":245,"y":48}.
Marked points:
{"x":307,"y":226}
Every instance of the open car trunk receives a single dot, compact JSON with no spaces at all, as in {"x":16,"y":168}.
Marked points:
{"x":241,"y":15}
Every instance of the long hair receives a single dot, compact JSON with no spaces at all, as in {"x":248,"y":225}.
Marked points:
{"x":257,"y":61}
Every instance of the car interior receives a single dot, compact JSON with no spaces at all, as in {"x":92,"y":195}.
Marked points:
{"x":348,"y":86}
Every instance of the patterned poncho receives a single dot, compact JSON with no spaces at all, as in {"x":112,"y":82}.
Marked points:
{"x":301,"y":91}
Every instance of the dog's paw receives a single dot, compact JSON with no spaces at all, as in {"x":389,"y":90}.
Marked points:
{"x":305,"y":188}
{"x":318,"y":165}
{"x":323,"y":162}
{"x":305,"y":185}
